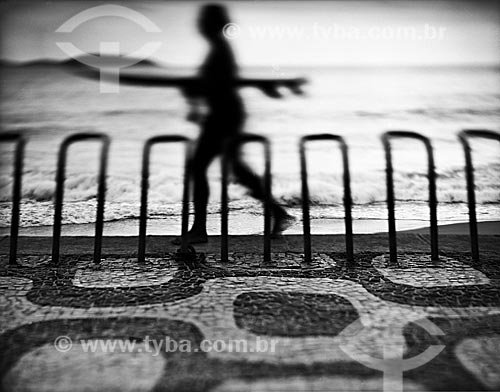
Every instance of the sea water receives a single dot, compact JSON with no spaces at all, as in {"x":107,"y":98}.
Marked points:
{"x":48,"y":103}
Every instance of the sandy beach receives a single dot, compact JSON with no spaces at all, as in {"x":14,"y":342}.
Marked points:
{"x":484,"y":228}
{"x":253,"y":226}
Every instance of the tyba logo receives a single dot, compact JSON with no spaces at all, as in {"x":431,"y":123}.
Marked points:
{"x":109,"y":70}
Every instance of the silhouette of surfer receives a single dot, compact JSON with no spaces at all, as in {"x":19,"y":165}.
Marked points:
{"x":224,"y":121}
{"x":216,"y":87}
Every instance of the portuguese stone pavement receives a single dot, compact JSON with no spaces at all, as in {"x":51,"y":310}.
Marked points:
{"x":325,"y":326}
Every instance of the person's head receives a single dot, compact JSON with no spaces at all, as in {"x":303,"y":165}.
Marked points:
{"x":212,"y":19}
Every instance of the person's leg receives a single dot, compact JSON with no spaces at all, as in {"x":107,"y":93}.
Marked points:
{"x":205,"y":152}
{"x":249,"y":179}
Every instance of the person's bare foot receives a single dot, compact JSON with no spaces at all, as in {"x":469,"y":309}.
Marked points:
{"x":193,"y":237}
{"x":282,"y":222}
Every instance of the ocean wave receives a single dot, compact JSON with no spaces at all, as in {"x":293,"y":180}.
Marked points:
{"x":131,"y":111}
{"x":41,"y":214}
{"x":434,"y":113}
{"x":367,"y":188}
{"x":450,"y":112}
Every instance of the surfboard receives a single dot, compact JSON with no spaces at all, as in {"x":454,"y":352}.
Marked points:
{"x":162,"y":78}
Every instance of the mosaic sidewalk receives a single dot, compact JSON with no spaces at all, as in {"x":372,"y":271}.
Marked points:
{"x":324,"y":326}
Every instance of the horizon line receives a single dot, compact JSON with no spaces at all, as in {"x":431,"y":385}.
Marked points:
{"x":159,"y":62}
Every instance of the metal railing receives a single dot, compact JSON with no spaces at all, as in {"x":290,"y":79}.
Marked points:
{"x":19,"y":143}
{"x":141,"y":253}
{"x":231,"y":148}
{"x":306,"y":223}
{"x":469,"y":173}
{"x":101,"y":191}
{"x":431,"y":175}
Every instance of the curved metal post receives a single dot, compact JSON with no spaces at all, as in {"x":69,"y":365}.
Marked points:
{"x":19,"y":143}
{"x":431,"y":175}
{"x":305,"y":193}
{"x":469,"y":173}
{"x":141,"y":253}
{"x":232,"y":147}
{"x":101,"y":191}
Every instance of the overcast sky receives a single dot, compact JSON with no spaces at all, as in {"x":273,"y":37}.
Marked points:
{"x":273,"y":32}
